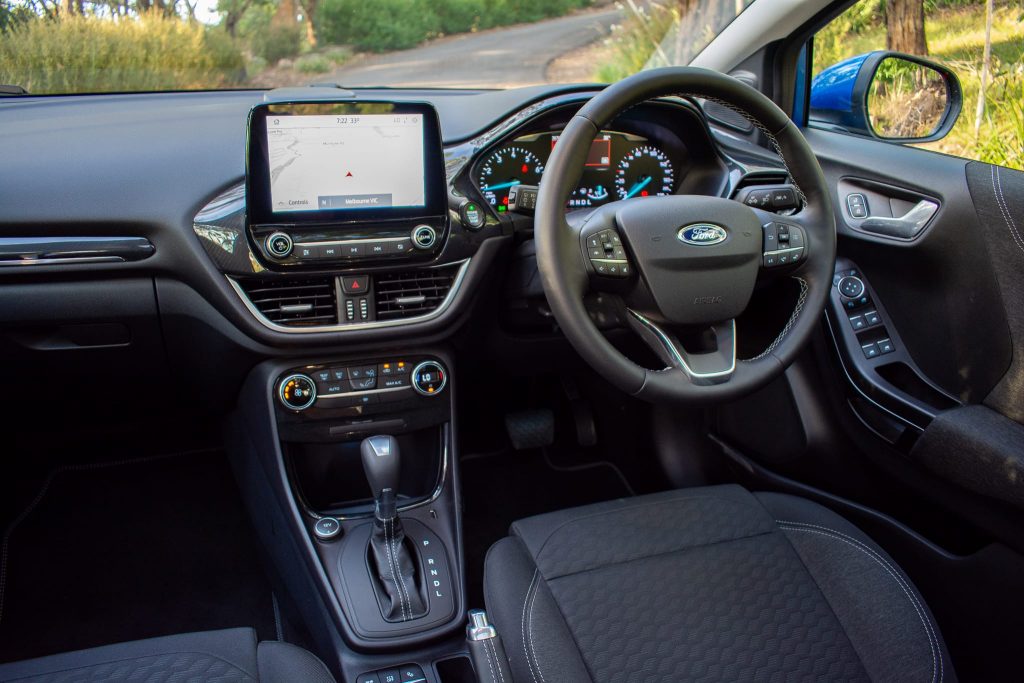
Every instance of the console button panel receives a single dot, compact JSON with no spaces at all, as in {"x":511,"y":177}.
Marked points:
{"x":785,"y":244}
{"x":607,"y":255}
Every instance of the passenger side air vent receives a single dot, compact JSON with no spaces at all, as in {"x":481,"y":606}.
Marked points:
{"x":411,"y":293}
{"x":295,"y":303}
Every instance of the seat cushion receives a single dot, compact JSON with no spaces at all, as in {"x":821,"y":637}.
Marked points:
{"x":711,"y":584}
{"x":228,"y":656}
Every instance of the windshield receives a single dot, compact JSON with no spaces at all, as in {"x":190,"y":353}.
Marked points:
{"x":90,"y":46}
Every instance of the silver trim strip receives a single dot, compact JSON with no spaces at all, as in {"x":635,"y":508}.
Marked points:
{"x":376,"y":324}
{"x":58,"y":261}
{"x":671,"y":348}
{"x":364,"y":392}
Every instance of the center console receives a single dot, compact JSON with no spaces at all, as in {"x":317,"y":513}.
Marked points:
{"x":349,"y":467}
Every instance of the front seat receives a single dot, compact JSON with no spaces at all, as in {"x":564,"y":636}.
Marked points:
{"x":228,"y":656}
{"x":706,"y":584}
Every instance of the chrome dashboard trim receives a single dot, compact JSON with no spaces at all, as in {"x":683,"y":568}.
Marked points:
{"x":460,"y":277}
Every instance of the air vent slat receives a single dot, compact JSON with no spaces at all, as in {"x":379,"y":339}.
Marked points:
{"x":295,"y":303}
{"x":410,"y":294}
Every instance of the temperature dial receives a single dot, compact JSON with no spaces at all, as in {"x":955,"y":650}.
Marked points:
{"x":297,"y":392}
{"x":429,"y":378}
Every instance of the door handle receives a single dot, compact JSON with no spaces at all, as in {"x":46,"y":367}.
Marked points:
{"x":906,"y":226}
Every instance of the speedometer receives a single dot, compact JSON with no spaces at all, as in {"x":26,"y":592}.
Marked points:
{"x":646,"y":170}
{"x":505,"y":168}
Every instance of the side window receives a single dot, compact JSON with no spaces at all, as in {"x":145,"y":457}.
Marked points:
{"x":980,"y":41}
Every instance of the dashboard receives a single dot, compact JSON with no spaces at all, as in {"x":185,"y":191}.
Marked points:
{"x":148,"y":251}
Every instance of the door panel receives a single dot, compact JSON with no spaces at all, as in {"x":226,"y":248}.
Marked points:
{"x":939,"y":288}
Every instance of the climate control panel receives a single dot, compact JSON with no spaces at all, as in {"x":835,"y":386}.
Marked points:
{"x":361,"y":384}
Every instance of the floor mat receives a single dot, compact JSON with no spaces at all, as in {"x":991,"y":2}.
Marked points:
{"x":499,"y":488}
{"x":151,"y":547}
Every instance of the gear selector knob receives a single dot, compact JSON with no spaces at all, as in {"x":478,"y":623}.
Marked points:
{"x":382,"y":464}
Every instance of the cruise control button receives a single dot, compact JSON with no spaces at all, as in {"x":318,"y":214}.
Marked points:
{"x":355,"y":285}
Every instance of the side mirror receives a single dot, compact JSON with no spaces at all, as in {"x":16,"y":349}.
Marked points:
{"x":888,"y":96}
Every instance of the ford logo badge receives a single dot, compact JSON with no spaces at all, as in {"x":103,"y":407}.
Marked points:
{"x":702,"y":234}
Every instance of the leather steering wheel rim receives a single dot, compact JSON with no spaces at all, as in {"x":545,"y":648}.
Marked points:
{"x":563,"y":268}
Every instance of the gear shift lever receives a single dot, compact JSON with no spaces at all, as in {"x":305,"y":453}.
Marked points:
{"x":382,"y":463}
{"x":398,"y":590}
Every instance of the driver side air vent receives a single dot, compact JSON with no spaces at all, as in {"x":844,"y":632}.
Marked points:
{"x":295,"y":303}
{"x":411,"y":293}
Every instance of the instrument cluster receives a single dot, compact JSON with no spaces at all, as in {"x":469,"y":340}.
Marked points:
{"x":620,"y":165}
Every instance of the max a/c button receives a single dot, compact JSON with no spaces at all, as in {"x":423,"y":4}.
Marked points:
{"x":355,"y":285}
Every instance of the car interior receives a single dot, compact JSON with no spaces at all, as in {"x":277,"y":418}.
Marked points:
{"x":693,"y":376}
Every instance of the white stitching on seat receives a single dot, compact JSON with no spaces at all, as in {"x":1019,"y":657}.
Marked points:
{"x":536,"y":660}
{"x":937,"y":665}
{"x":497,"y":665}
{"x":1004,"y":207}
{"x":526,"y":600}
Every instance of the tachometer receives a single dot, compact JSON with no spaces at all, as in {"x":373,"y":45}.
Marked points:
{"x":505,"y":168}
{"x":646,"y":170}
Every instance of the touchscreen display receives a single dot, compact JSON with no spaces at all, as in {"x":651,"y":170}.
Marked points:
{"x":340,"y":162}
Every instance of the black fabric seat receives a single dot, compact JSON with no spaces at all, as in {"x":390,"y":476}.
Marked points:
{"x":712,"y":584}
{"x":229,"y":656}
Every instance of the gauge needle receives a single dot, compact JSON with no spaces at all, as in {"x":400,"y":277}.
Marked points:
{"x":502,"y":186}
{"x":639,"y":186}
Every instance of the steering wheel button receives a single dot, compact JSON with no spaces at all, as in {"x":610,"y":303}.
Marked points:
{"x":771,"y":259}
{"x":597,"y":252}
{"x":619,"y":253}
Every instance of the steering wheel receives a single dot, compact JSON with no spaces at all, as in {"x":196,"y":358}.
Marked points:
{"x":683,"y":266}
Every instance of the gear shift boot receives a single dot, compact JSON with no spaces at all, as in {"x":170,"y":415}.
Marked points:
{"x":393,"y":566}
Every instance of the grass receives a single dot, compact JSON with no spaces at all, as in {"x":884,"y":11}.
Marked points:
{"x":89,"y":54}
{"x":956,"y":38}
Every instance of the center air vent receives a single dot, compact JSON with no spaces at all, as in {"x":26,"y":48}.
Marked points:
{"x":296,"y":303}
{"x":411,"y":293}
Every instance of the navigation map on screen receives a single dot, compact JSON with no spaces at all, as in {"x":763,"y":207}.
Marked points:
{"x":363,"y":161}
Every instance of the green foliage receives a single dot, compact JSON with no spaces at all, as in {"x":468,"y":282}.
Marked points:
{"x":12,"y":15}
{"x":90,"y":54}
{"x":633,"y":42}
{"x":313,"y":64}
{"x":377,"y":26}
{"x":277,"y":42}
{"x":383,"y":25}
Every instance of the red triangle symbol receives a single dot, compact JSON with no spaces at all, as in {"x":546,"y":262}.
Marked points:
{"x":355,"y":284}
{"x":349,"y":174}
